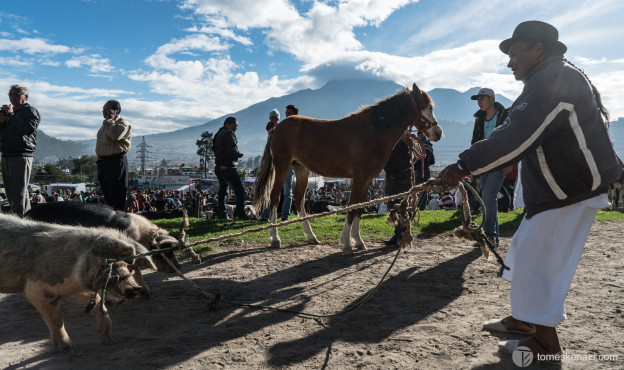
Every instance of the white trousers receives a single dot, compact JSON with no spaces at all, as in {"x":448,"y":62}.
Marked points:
{"x":543,"y":257}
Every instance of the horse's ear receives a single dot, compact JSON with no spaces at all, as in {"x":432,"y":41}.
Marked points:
{"x":416,"y":89}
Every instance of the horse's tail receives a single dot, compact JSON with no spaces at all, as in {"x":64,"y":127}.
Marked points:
{"x":264,"y":179}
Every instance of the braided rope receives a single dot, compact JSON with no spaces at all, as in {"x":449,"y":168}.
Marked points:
{"x":431,"y":184}
{"x":409,"y":204}
{"x":409,"y":197}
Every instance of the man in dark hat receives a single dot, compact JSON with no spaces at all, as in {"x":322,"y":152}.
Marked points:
{"x":557,"y":128}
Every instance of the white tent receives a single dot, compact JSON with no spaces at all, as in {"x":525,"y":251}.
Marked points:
{"x":183,"y":188}
{"x":62,"y":186}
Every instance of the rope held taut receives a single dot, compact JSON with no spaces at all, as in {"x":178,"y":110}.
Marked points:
{"x":432,"y":184}
{"x":410,"y":201}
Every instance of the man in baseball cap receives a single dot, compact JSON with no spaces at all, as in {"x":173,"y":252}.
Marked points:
{"x":491,"y":114}
{"x":483,"y":92}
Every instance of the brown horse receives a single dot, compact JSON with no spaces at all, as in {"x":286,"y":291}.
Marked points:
{"x":357,"y":146}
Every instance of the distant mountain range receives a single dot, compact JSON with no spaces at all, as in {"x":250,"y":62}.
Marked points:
{"x":453,"y":109}
{"x":51,"y":149}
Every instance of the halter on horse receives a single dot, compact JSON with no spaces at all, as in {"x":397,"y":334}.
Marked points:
{"x":357,"y":146}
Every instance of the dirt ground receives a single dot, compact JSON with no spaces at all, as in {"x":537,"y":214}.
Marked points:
{"x":426,"y":315}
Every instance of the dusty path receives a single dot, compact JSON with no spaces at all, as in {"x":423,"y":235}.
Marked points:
{"x":428,"y":314}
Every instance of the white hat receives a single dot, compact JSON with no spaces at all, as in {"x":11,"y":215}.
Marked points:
{"x":274,"y":113}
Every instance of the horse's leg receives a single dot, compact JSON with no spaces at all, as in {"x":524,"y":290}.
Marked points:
{"x":345,"y":238}
{"x":358,"y":195}
{"x":281,"y":169}
{"x":302,"y":174}
{"x":355,"y":231}
{"x":275,"y":239}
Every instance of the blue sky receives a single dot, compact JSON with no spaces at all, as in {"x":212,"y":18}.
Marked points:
{"x":179,"y":63}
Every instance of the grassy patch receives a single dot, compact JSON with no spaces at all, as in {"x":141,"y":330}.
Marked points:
{"x":609,"y":216}
{"x":373,"y":227}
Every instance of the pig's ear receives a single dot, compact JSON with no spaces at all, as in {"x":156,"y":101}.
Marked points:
{"x":107,"y":246}
{"x":143,"y":262}
{"x":166,"y":241}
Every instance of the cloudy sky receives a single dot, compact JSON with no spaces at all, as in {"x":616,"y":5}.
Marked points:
{"x":179,"y":63}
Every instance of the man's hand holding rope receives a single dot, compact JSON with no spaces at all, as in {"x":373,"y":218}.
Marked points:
{"x":453,"y":173}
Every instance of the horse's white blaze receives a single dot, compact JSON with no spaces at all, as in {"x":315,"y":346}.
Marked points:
{"x":434,"y":133}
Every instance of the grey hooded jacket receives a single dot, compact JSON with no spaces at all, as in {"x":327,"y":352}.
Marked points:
{"x":555,"y":129}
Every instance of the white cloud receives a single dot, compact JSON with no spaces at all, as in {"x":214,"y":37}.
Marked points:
{"x":200,"y":99}
{"x":74,"y":113}
{"x":68,"y":112}
{"x":193,"y":42}
{"x":35,"y":46}
{"x":436,"y":69}
{"x":94,"y":62}
{"x":610,"y":86}
{"x":199,"y":67}
{"x":322,"y":34}
{"x":15,"y":62}
{"x":224,"y":33}
{"x":323,"y":39}
{"x":242,"y":14}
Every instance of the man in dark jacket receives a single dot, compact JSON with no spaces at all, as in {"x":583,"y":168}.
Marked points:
{"x":422,"y":169}
{"x":398,"y":180}
{"x":557,"y":127}
{"x":18,"y":135}
{"x":225,"y":146}
{"x":491,"y":114}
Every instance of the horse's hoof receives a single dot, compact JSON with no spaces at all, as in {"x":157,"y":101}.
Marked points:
{"x":361,"y":247}
{"x":347,"y":252}
{"x":276,"y":244}
{"x":313,"y":241}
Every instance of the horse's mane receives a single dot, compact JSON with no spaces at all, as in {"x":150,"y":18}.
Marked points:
{"x":391,"y":110}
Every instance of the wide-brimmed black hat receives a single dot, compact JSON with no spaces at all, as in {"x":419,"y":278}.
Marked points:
{"x":534,"y":31}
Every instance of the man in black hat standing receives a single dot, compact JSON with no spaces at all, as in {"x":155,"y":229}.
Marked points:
{"x":557,"y":127}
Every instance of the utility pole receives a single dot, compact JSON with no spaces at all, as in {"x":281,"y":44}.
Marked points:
{"x":143,"y":154}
